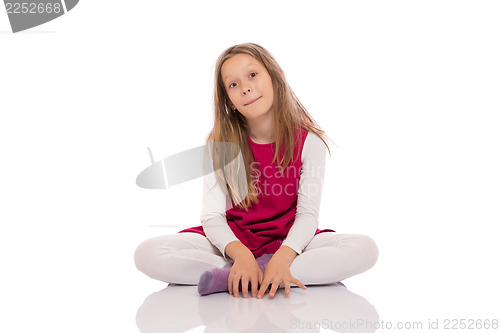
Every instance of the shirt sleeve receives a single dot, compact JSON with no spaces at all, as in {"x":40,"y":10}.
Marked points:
{"x":213,"y":214}
{"x":309,"y":194}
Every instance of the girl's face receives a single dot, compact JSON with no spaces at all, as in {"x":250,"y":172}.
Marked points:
{"x":248,"y":85}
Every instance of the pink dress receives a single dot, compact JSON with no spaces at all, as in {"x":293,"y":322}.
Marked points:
{"x":266,"y":224}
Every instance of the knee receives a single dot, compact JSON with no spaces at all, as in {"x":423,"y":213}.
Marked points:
{"x":142,"y":254}
{"x":145,"y":255}
{"x":369,"y":250}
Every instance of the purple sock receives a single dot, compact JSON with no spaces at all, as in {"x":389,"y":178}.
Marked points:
{"x":264,"y":260}
{"x":215,"y":280}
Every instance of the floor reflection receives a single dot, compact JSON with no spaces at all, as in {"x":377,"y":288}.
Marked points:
{"x":179,"y":308}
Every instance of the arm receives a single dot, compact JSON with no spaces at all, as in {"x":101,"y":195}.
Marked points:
{"x":309,"y":195}
{"x":213,"y":217}
{"x":245,"y":269}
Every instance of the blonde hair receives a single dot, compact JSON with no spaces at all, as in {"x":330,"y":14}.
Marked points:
{"x":231,"y":126}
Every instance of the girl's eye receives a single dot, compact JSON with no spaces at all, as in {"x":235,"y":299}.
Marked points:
{"x":253,"y":74}
{"x":231,"y":85}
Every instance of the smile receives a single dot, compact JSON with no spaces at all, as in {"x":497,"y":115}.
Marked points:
{"x":252,"y":101}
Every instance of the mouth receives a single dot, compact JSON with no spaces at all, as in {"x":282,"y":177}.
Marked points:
{"x":252,"y":101}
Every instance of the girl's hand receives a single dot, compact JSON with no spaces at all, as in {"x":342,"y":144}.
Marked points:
{"x":246,"y":269}
{"x":277,"y":272}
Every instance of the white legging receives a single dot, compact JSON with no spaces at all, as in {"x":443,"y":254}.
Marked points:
{"x":182,"y":257}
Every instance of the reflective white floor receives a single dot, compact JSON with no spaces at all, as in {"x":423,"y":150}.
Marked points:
{"x":179,"y":308}
{"x":324,"y":308}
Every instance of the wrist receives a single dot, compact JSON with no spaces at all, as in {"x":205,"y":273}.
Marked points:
{"x":287,"y":253}
{"x":236,"y":250}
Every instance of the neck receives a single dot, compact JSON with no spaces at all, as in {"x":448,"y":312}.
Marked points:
{"x":262,"y":129}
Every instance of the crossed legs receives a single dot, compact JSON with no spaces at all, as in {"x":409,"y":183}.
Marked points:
{"x":182,"y":258}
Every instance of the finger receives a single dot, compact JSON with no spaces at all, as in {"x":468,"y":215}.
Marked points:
{"x":244,"y":287}
{"x":230,"y":283}
{"x":273,"y":289}
{"x":236,"y":284}
{"x":286,"y":283}
{"x":254,"y":286}
{"x":298,"y":283}
{"x":263,"y":288}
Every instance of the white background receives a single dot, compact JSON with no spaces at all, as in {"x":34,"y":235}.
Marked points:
{"x":408,"y":90}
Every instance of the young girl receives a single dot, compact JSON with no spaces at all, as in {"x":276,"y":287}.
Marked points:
{"x":270,"y":238}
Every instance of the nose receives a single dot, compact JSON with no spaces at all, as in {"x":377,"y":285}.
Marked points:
{"x":246,"y":91}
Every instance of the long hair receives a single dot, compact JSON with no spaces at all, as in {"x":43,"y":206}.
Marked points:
{"x":231,"y":126}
